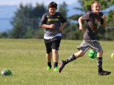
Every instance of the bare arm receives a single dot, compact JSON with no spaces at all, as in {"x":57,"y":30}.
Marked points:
{"x":62,"y":26}
{"x":51,"y":26}
{"x":80,"y":24}
{"x":104,"y":21}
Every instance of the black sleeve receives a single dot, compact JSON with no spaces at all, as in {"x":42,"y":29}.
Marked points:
{"x":102,"y":21}
{"x":86,"y":16}
{"x":43,"y":20}
{"x":101,"y":14}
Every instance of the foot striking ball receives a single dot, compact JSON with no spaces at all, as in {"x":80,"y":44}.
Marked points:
{"x":92,"y":54}
{"x":6,"y":72}
{"x":112,"y":55}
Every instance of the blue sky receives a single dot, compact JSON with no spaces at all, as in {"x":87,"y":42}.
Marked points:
{"x":46,"y":2}
{"x":13,"y":4}
{"x":9,"y":11}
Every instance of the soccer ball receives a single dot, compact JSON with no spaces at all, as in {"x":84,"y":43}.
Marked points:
{"x":112,"y":55}
{"x":92,"y":54}
{"x":6,"y":72}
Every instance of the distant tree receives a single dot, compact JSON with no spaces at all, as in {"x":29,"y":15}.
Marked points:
{"x":26,"y":18}
{"x":67,"y":29}
{"x":4,"y":35}
{"x":29,"y":33}
{"x":63,"y":9}
{"x":110,"y":25}
{"x":38,"y":11}
{"x":110,"y":18}
{"x":18,"y":31}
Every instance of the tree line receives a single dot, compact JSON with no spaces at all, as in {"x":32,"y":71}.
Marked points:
{"x":26,"y":21}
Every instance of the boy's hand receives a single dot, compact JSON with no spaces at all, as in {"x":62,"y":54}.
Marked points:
{"x":52,"y":26}
{"x":80,"y":24}
{"x":103,"y":17}
{"x":81,"y":28}
{"x":60,"y":29}
{"x":104,"y":21}
{"x":62,"y":26}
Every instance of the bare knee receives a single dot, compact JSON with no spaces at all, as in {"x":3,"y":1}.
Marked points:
{"x":54,"y":51}
{"x":99,"y":53}
{"x":49,"y":54}
{"x":79,"y":54}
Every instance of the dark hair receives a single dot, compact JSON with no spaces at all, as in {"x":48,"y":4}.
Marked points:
{"x":94,"y":2}
{"x":52,"y":5}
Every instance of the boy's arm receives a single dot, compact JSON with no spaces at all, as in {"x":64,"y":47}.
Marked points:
{"x":43,"y":23}
{"x":104,"y":21}
{"x":51,"y":26}
{"x":62,"y":26}
{"x":80,"y":24}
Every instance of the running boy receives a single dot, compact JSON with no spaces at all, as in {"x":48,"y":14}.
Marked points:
{"x":94,"y":19}
{"x":53,"y":22}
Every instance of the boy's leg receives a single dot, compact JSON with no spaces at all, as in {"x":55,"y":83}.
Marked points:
{"x":55,"y":57}
{"x":99,"y":63}
{"x":55,"y":47}
{"x":99,"y":60}
{"x":82,"y":49}
{"x":62,"y":63}
{"x":48,"y":58}
{"x":49,"y":53}
{"x":80,"y":53}
{"x":95,"y":45}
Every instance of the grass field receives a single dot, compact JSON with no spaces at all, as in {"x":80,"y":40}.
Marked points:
{"x":26,"y":59}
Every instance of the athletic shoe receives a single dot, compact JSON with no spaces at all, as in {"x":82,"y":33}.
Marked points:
{"x":55,"y":69}
{"x":104,"y":73}
{"x":48,"y":68}
{"x":62,"y":65}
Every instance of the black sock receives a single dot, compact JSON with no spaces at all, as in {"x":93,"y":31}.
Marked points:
{"x":99,"y":63}
{"x":71,"y":58}
{"x":55,"y":64}
{"x":49,"y":64}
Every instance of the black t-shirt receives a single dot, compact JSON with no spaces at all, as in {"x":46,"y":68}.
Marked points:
{"x":93,"y":23}
{"x":48,"y":19}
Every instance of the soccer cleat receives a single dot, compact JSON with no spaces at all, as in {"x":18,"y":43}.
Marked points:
{"x":104,"y":73}
{"x":62,"y":65}
{"x":55,"y":69}
{"x":48,"y":68}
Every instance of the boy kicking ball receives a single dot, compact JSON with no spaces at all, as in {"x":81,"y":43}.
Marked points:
{"x":94,"y":19}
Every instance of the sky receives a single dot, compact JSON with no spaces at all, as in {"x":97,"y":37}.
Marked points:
{"x":10,"y":13}
{"x":46,"y":2}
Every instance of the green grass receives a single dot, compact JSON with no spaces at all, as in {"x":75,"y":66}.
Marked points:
{"x":26,"y":59}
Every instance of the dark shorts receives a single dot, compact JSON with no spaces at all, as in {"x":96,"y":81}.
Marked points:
{"x":93,"y":44}
{"x":52,"y":44}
